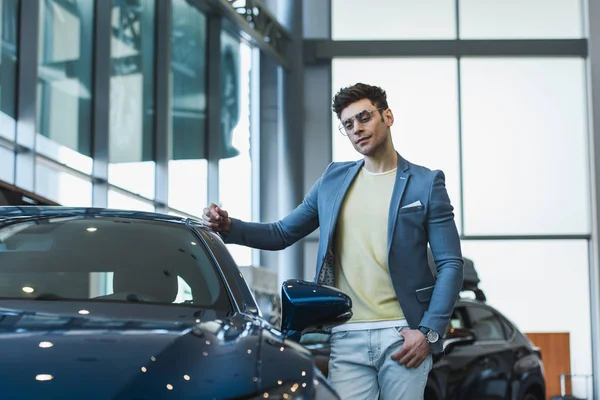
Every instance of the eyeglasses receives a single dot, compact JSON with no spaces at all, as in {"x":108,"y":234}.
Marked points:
{"x":363,"y":118}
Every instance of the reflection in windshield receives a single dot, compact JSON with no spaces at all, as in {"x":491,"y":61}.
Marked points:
{"x":108,"y":258}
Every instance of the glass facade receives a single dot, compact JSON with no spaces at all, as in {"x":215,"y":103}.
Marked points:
{"x":123,"y":201}
{"x":64,"y":82}
{"x":131,"y":132}
{"x":7,"y":164}
{"x":101,"y":137}
{"x":425,"y":19}
{"x":522,"y":278}
{"x":187,"y":130}
{"x":8,"y":67}
{"x":235,"y":165}
{"x":62,"y":186}
{"x":524,"y":19}
{"x":525,"y":136}
{"x":512,"y":135}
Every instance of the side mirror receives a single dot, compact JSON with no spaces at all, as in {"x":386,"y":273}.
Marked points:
{"x":458,"y":337}
{"x":308,"y":305}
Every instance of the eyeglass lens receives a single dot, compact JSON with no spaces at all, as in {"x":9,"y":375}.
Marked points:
{"x":362,"y":117}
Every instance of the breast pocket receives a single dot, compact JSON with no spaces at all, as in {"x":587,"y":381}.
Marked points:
{"x":411,"y":210}
{"x":410,"y":223}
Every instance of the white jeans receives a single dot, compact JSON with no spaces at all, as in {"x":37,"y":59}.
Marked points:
{"x":361,"y":368}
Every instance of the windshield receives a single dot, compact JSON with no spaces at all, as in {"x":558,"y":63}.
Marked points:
{"x":107,"y":259}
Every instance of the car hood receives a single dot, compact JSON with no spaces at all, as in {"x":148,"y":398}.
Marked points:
{"x":51,"y":350}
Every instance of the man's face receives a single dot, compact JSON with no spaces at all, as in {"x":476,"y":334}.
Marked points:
{"x":367,"y":127}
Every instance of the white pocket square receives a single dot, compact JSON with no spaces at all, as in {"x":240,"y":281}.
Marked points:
{"x":413,"y":204}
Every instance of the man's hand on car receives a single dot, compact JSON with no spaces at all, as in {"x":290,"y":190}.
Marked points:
{"x":216,"y":218}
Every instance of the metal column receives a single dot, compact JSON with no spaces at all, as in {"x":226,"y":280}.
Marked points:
{"x":593,"y":64}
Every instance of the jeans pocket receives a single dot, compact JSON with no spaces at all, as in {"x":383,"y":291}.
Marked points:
{"x":339,"y":335}
{"x":397,"y":331}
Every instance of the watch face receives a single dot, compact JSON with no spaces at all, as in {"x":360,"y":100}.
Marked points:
{"x":432,"y":336}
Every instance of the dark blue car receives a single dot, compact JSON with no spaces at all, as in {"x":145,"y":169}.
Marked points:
{"x":100,"y":304}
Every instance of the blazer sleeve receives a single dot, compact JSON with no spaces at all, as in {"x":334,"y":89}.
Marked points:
{"x":445,"y":247}
{"x":303,"y":220}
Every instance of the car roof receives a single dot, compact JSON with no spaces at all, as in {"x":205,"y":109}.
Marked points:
{"x":62,"y":211}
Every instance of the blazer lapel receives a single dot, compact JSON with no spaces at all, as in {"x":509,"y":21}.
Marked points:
{"x":402,"y":177}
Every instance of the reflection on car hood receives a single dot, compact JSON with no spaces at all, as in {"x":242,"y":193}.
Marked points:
{"x":56,"y":352}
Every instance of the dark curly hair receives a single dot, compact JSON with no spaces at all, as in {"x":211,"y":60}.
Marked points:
{"x":356,"y":92}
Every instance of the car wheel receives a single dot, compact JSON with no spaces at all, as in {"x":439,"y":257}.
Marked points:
{"x":530,"y":396}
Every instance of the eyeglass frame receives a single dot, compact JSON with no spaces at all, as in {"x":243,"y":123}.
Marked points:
{"x":341,"y":127}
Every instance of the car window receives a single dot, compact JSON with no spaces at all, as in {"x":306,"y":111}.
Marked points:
{"x":509,"y":329}
{"x":457,"y":320}
{"x":104,"y":258}
{"x":485,"y":324}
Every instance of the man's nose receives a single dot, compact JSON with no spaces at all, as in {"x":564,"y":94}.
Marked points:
{"x":357,"y":126}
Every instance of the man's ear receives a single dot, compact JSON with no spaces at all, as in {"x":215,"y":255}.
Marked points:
{"x":388,"y":117}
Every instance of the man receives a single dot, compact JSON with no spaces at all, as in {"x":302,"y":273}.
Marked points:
{"x":376,"y":218}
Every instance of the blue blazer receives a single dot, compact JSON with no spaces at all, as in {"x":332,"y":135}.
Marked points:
{"x":426,"y":300}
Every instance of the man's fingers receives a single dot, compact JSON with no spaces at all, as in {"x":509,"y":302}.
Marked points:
{"x":412,"y":363}
{"x":221,"y":213}
{"x":415,"y":361}
{"x":399,"y":354}
{"x":215,"y":218}
{"x":406,"y":358}
{"x":403,"y":354}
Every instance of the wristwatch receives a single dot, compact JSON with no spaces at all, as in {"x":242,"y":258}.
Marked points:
{"x":430,"y":335}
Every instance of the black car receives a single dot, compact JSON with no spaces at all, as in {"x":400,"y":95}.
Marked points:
{"x":485,"y":355}
{"x":101,"y":304}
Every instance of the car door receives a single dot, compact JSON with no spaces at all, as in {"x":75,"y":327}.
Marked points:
{"x":473,"y":370}
{"x":494,"y":358}
{"x":454,"y":373}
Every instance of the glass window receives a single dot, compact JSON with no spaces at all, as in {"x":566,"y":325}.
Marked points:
{"x":8,"y":67}
{"x":7,"y":165}
{"x":531,"y":282}
{"x":177,"y":214}
{"x":131,"y":132}
{"x":393,"y":19}
{"x":509,"y":329}
{"x":64,"y":107}
{"x":525,"y":157}
{"x":422,"y":94}
{"x":187,"y":134}
{"x":140,"y":260}
{"x":121,"y":201}
{"x":456,"y":320}
{"x":524,"y":19}
{"x":485,"y":324}
{"x":61,"y":186}
{"x":235,"y":165}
